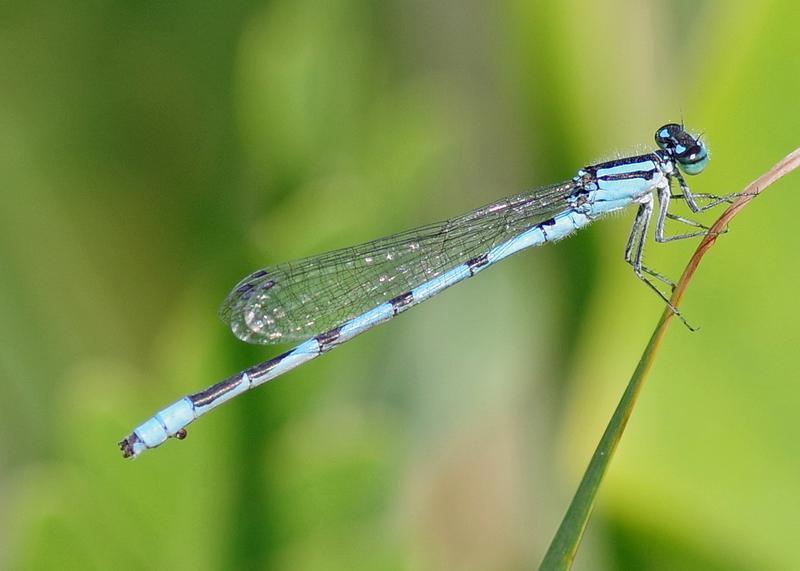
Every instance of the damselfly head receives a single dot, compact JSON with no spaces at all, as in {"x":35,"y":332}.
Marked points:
{"x":688,"y":151}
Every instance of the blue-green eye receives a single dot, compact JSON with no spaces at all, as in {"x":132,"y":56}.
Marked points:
{"x":688,"y":151}
{"x":695,"y":164}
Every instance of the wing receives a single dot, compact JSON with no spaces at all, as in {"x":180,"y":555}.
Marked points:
{"x":297,"y":300}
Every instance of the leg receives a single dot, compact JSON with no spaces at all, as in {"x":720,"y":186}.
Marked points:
{"x":637,"y":236}
{"x":686,"y":221}
{"x":634,"y":253}
{"x":689,"y":197}
{"x":687,"y":194}
{"x":664,"y":196}
{"x":713,"y":199}
{"x":636,"y":233}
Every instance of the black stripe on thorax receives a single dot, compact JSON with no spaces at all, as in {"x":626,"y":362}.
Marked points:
{"x":592,"y":170}
{"x":642,"y":174}
{"x":624,"y":161}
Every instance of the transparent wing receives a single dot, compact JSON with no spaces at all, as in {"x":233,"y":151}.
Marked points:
{"x":297,"y":300}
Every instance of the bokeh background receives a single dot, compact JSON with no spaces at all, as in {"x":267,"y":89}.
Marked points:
{"x":152,"y":153}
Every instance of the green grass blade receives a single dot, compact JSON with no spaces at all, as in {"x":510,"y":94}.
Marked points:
{"x":564,"y":546}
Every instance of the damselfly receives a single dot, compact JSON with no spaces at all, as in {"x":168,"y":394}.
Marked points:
{"x":331,"y":298}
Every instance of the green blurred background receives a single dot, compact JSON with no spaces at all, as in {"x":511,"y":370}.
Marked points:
{"x":154,"y":153}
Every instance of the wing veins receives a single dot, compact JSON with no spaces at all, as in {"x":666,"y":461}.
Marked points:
{"x":298,"y":299}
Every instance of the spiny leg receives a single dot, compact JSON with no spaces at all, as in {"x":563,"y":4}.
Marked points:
{"x":636,"y":235}
{"x":687,"y":221}
{"x":664,"y":197}
{"x":690,"y":197}
{"x":635,"y":252}
{"x":686,"y":193}
{"x":663,"y":214}
{"x":694,"y":223}
{"x":714,"y":199}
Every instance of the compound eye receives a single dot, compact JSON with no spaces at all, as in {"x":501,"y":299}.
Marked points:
{"x":667,"y":136}
{"x":689,"y":154}
{"x":688,"y":151}
{"x":695,"y":161}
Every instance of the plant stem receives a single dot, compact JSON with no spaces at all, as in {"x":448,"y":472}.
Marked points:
{"x":561,"y":553}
